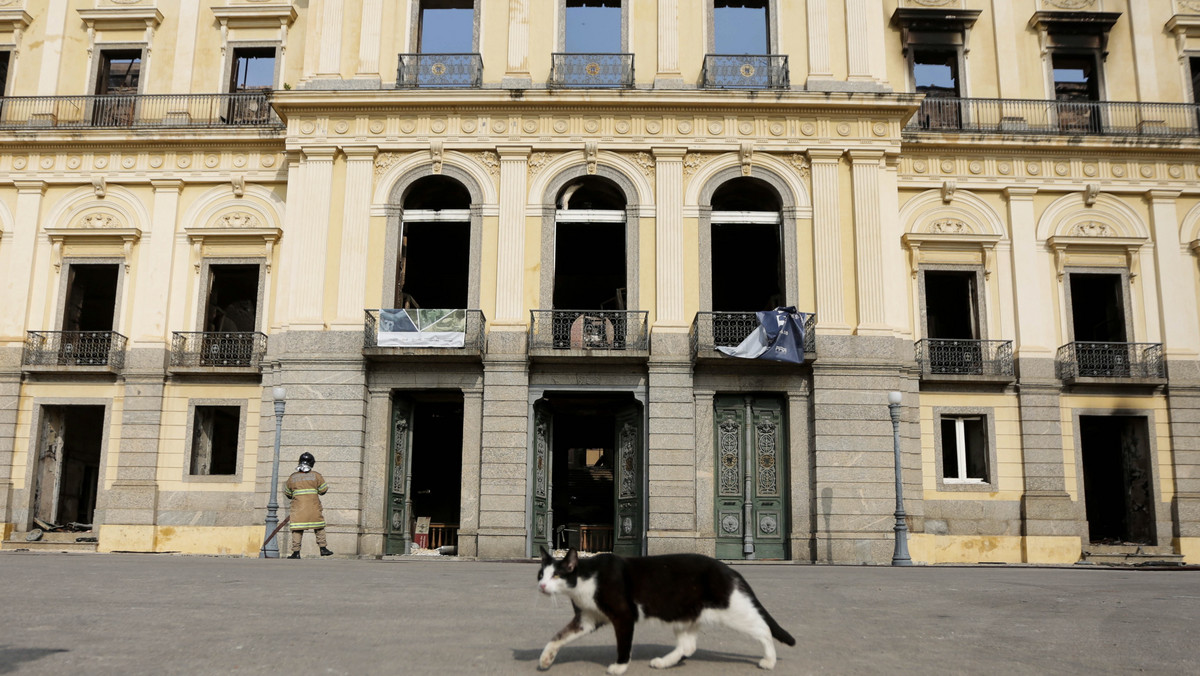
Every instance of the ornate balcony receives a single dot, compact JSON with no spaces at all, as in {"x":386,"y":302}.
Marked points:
{"x":589,"y":333}
{"x":1072,"y":118}
{"x":439,"y":70}
{"x":87,"y":351}
{"x":711,"y":330}
{"x":407,"y":335}
{"x":746,"y":71}
{"x":591,"y":70}
{"x":217,"y":352}
{"x":1088,"y":362}
{"x":251,"y":109}
{"x":969,"y":360}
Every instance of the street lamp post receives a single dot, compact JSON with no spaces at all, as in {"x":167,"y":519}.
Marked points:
{"x":271,"y":550}
{"x":900,"y":554}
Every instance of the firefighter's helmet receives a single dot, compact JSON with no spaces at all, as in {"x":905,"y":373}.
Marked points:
{"x":307,"y":458}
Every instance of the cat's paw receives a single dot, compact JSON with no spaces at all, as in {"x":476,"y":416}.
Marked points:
{"x":767,"y":663}
{"x":617,"y":669}
{"x":547,"y":657}
{"x":658,"y":663}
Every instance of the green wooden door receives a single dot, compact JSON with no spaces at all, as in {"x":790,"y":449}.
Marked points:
{"x":628,"y":482}
{"x":543,"y":455}
{"x":751,"y":484}
{"x":399,"y":502}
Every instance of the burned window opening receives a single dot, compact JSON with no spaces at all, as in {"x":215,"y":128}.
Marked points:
{"x":964,"y":449}
{"x":433,"y":268}
{"x":590,"y":254}
{"x":594,"y":193}
{"x":436,"y":193}
{"x":4,"y":59}
{"x":68,"y":473}
{"x":1098,"y":307}
{"x":1118,"y":488}
{"x":215,"y":440}
{"x":935,"y":72}
{"x":747,"y":257}
{"x":232,"y":299}
{"x":91,"y":300}
{"x":253,"y":69}
{"x":951,"y":305}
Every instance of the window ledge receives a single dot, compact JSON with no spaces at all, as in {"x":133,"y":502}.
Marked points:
{"x":957,"y":486}
{"x":967,"y":378}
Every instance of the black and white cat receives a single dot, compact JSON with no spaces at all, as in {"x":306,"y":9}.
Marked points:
{"x":686,"y":591}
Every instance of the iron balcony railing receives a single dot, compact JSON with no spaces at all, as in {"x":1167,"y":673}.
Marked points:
{"x":424,"y":329}
{"x":711,"y":330}
{"x":610,"y":330}
{"x":746,"y":71}
{"x":591,"y":70}
{"x":439,"y":70}
{"x":74,"y":348}
{"x":218,"y":349}
{"x":140,"y":110}
{"x":1031,"y":116}
{"x":1110,"y":360}
{"x":964,"y":357}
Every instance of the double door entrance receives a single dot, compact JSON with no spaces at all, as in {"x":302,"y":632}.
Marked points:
{"x":751,"y":513}
{"x":588,"y":473}
{"x":424,"y":471}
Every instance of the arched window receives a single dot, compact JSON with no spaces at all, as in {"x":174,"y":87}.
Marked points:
{"x":589,"y":246}
{"x":433,"y":268}
{"x":747,"y":247}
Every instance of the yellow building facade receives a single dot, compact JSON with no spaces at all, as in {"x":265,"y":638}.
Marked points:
{"x":488,"y":250}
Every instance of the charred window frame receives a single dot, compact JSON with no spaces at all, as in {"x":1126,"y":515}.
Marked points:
{"x":5,"y":61}
{"x":67,"y":289}
{"x":216,"y":440}
{"x":931,"y":281}
{"x":965,"y":449}
{"x":1074,"y":280}
{"x":717,"y":8}
{"x":1070,"y":41}
{"x":245,"y":71}
{"x":115,"y":65}
{"x":427,"y":23}
{"x":205,"y":289}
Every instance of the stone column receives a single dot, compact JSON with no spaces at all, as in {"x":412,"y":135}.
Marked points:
{"x":368,"y":46}
{"x":706,"y":491}
{"x":1146,"y":37}
{"x":1178,"y":307}
{"x":1005,"y":25}
{"x":468,"y":514}
{"x":800,"y":473}
{"x":819,"y":69}
{"x":672,"y":496}
{"x":52,"y":46}
{"x":516,"y":75}
{"x":18,"y":253}
{"x":329,"y":65}
{"x":131,"y":503}
{"x":1035,"y":328}
{"x":184,"y":54}
{"x":152,"y":295}
{"x":510,"y":269}
{"x":356,"y":219}
{"x":305,"y":245}
{"x":827,"y":240}
{"x":668,"y":75}
{"x":864,"y":42}
{"x":868,"y":243}
{"x":504,"y":451}
{"x":373,"y":492}
{"x":668,"y":242}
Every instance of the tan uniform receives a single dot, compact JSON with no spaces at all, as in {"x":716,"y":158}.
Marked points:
{"x":304,"y":490}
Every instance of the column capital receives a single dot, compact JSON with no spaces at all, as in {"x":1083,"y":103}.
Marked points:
{"x":167,"y":185}
{"x":865,"y":155}
{"x":1162,"y":195}
{"x":319,"y":152}
{"x":31,"y":186}
{"x":359,"y":152}
{"x":825,"y":154}
{"x":1014,"y":193}
{"x":513,"y":152}
{"x":669,"y":152}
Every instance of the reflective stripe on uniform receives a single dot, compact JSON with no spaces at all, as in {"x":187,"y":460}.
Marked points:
{"x":310,"y":524}
{"x":304,"y":491}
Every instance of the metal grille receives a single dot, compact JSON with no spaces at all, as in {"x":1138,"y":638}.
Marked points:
{"x":591,"y":70}
{"x":588,"y":329}
{"x":74,"y":348}
{"x":746,"y":71}
{"x":473,"y":340}
{"x":141,"y":110}
{"x":439,"y":70}
{"x":955,"y":357}
{"x":1033,"y":116}
{"x":726,"y":329}
{"x":218,"y":349}
{"x":1110,"y":360}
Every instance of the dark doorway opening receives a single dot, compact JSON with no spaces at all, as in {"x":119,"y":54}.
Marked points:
{"x":747,"y":256}
{"x":1117,"y":481}
{"x":1098,"y":307}
{"x":215,"y":433}
{"x":68,"y":469}
{"x":426,"y":470}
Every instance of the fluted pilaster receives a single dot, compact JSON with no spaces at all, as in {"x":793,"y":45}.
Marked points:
{"x":868,"y":241}
{"x":356,"y":219}
{"x":1180,"y":326}
{"x":668,"y":226}
{"x":510,"y":267}
{"x":827,"y":240}
{"x":330,"y":63}
{"x":368,"y":45}
{"x":818,"y":40}
{"x":1035,"y":331}
{"x":17,"y":255}
{"x":152,"y":294}
{"x":668,"y":44}
{"x":306,"y":244}
{"x":516,"y":75}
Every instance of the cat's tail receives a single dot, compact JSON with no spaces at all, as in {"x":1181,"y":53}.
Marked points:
{"x":777,"y":632}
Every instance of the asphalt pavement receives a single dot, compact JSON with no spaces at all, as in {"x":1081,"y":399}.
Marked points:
{"x":171,"y":614}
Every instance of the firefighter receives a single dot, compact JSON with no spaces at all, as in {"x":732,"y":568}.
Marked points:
{"x":304,"y":488}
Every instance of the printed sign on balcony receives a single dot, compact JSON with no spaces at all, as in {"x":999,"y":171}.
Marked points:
{"x":422,"y":328}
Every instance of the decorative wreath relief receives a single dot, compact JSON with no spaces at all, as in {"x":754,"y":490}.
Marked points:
{"x":729,"y":524}
{"x":627,"y":526}
{"x":767,"y":524}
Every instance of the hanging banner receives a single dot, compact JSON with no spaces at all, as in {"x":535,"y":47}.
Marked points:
{"x":422,"y":328}
{"x":779,"y":337}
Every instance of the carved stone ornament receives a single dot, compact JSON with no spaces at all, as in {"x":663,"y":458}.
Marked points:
{"x":1070,"y":4}
{"x":384,"y":162}
{"x":1092,"y":229}
{"x":537,"y":161}
{"x":746,"y":156}
{"x":730,"y":524}
{"x":435,"y":155}
{"x":768,"y":524}
{"x":100,"y":186}
{"x":645,"y":162}
{"x":1188,"y":5}
{"x":100,"y":220}
{"x":948,"y":189}
{"x":590,"y":149}
{"x":1090,"y":193}
{"x":238,"y":219}
{"x":490,"y":161}
{"x":238,"y":183}
{"x":933,"y":3}
{"x":693,"y":161}
{"x":949,"y":226}
{"x":800,"y":162}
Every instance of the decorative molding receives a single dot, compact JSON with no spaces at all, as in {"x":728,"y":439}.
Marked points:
{"x":237,"y":219}
{"x":949,"y":226}
{"x":99,"y":220}
{"x":1092,"y":229}
{"x":537,"y":162}
{"x":436,"y":150}
{"x":490,"y":161}
{"x":384,"y":161}
{"x":693,"y":161}
{"x":1070,"y":4}
{"x":590,"y":148}
{"x":948,"y":189}
{"x":644,"y":162}
{"x":746,"y":157}
{"x":801,"y":163}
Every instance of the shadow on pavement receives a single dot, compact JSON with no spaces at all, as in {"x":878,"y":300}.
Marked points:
{"x":605,"y":655}
{"x":11,"y":658}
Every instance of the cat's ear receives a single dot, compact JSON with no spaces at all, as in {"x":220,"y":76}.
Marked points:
{"x":571,"y":560}
{"x":546,"y":558}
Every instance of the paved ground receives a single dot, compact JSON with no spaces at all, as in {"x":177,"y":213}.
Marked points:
{"x":163,"y":614}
